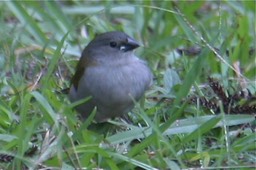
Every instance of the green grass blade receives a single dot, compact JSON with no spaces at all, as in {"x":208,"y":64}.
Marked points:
{"x":27,"y":20}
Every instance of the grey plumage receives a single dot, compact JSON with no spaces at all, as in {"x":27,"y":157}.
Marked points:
{"x":111,"y":74}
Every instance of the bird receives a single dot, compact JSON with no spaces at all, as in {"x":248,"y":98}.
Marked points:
{"x":110,"y":75}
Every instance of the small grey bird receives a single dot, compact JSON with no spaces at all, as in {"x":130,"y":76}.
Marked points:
{"x":111,"y":75}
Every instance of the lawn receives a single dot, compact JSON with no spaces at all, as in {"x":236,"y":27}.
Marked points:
{"x":198,"y":114}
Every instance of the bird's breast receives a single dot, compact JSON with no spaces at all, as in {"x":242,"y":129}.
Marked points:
{"x":117,"y":83}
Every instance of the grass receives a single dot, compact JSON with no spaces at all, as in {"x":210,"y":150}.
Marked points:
{"x":42,"y":41}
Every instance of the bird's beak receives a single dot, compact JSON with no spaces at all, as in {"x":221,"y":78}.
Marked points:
{"x":129,"y":45}
{"x":133,"y":43}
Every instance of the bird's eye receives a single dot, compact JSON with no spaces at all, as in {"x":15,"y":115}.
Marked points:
{"x":113,"y":44}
